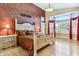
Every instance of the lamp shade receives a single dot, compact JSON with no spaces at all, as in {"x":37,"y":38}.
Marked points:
{"x":7,"y":26}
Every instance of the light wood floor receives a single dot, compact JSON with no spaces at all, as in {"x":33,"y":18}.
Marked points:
{"x":62,"y":47}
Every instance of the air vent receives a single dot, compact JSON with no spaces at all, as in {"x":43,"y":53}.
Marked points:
{"x":25,"y":15}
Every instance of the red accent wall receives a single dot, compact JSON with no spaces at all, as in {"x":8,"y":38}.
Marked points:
{"x":8,"y":12}
{"x":6,"y":18}
{"x":3,"y":29}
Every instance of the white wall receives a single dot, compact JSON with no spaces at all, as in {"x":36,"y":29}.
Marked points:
{"x":43,"y":27}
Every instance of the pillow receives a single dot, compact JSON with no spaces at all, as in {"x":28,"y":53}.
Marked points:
{"x":30,"y":33}
{"x":17,"y":32}
{"x":27,"y":32}
{"x":22,"y":33}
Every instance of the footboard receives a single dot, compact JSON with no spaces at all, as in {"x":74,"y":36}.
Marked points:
{"x":44,"y":40}
{"x":33,"y":43}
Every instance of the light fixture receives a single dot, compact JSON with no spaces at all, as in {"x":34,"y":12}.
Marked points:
{"x":49,"y":9}
{"x":37,"y":28}
{"x":7,"y":27}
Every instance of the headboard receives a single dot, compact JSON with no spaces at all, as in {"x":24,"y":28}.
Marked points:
{"x":25,"y":26}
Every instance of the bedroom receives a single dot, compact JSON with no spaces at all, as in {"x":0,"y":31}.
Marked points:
{"x":27,"y":26}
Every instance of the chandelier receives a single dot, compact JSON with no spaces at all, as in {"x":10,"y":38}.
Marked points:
{"x":49,"y":9}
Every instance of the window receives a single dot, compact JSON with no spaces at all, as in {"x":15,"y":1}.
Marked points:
{"x":62,"y":26}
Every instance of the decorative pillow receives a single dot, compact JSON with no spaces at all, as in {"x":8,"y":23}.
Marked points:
{"x":17,"y":32}
{"x":22,"y":33}
{"x":27,"y":32}
{"x":30,"y":33}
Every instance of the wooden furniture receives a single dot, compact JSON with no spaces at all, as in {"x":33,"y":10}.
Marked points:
{"x":7,"y":41}
{"x":32,"y":42}
{"x":40,"y":41}
{"x":43,"y":40}
{"x":8,"y":47}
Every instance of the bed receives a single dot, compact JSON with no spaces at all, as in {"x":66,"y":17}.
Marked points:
{"x":31,"y":41}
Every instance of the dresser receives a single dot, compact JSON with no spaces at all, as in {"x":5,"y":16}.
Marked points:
{"x":7,"y":41}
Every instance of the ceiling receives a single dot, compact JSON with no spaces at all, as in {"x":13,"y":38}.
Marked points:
{"x":44,"y":6}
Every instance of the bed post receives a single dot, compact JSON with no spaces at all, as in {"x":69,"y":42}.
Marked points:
{"x":35,"y":44}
